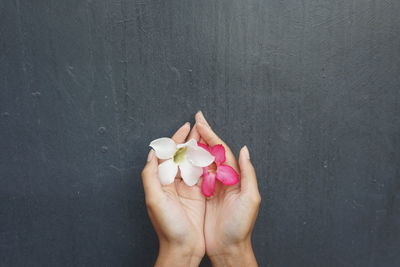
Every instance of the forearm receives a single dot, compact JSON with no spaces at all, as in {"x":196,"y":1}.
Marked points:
{"x":170,"y":255}
{"x":238,"y":255}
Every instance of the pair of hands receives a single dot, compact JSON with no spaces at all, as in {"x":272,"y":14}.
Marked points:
{"x":188,"y":225}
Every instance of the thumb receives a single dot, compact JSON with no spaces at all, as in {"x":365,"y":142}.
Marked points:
{"x":248,"y":180}
{"x":151,"y":183}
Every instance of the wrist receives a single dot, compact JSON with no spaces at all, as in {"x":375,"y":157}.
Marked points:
{"x":178,"y":255}
{"x":239,"y":254}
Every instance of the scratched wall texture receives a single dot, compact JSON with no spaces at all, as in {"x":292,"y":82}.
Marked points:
{"x":311,"y":86}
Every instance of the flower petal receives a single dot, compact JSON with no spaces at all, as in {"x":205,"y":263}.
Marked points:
{"x":227,"y":175}
{"x":208,"y":184}
{"x":203,"y":146}
{"x":190,"y":143}
{"x":190,"y":173}
{"x":164,"y":147}
{"x":199,"y":156}
{"x":218,"y":151}
{"x":167,"y":171}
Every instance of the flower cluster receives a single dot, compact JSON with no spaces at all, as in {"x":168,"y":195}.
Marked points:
{"x":217,"y":170}
{"x":194,"y":160}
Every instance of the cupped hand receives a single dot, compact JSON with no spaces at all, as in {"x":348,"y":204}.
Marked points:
{"x":232,"y":211}
{"x":177,"y":213}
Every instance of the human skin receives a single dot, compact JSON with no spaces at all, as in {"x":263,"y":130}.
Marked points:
{"x":177,"y":213}
{"x":232,"y":211}
{"x":188,"y":224}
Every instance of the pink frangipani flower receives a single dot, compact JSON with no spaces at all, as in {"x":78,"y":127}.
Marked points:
{"x":217,"y":170}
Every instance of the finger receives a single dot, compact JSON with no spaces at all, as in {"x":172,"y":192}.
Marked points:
{"x":210,"y":137}
{"x":194,"y":134}
{"x":248,"y":178}
{"x":181,"y":134}
{"x":179,"y":137}
{"x":200,"y":118}
{"x":151,"y":183}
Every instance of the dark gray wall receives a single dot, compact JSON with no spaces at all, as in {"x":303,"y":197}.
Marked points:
{"x":311,"y":86}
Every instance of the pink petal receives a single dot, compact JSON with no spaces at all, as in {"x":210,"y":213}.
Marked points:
{"x":227,"y":175}
{"x":208,"y":183}
{"x":218,"y":151}
{"x":204,"y":146}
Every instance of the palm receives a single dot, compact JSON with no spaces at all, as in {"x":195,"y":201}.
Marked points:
{"x":176,"y":210}
{"x":186,"y":208}
{"x":223,"y":214}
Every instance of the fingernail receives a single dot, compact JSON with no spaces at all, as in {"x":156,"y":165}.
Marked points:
{"x":201,"y":115}
{"x":202,"y":119}
{"x":187,"y":124}
{"x":150,"y":155}
{"x":246,"y":153}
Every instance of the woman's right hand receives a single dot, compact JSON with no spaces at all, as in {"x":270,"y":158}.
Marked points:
{"x":176,"y":212}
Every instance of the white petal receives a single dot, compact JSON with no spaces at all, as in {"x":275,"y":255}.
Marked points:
{"x":167,"y":171}
{"x":164,"y":147}
{"x":190,"y":173}
{"x":199,"y":156}
{"x":190,"y":143}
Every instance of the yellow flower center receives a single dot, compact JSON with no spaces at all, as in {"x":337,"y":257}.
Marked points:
{"x":179,"y":155}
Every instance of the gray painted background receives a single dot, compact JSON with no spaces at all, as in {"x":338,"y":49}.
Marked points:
{"x":311,"y":86}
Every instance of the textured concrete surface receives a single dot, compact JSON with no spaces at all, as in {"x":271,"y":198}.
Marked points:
{"x":311,"y":86}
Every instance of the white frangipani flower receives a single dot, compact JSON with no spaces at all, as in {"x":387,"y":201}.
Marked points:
{"x":189,"y":157}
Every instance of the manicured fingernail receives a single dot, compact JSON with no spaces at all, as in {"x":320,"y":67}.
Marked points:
{"x":202,"y":119}
{"x":201,"y":116}
{"x":246,"y":153}
{"x":150,"y":155}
